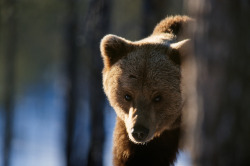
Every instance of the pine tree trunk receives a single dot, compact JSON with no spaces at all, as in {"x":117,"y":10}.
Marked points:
{"x":222,"y":50}
{"x":98,"y":22}
{"x":71,"y":76}
{"x":10,"y":54}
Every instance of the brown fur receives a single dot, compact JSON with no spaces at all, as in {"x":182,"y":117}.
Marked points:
{"x":173,"y":25}
{"x":160,"y":151}
{"x":146,"y":70}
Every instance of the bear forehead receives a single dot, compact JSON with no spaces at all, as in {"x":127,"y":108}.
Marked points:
{"x":148,"y":62}
{"x":147,"y":67}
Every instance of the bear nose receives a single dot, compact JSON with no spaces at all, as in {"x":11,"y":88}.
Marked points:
{"x":139,"y":132}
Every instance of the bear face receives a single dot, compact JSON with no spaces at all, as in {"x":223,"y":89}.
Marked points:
{"x":142,"y":82}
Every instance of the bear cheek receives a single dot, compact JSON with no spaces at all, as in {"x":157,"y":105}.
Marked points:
{"x":120,"y":106}
{"x":166,"y":123}
{"x":117,"y":106}
{"x":120,"y":113}
{"x":164,"y":119}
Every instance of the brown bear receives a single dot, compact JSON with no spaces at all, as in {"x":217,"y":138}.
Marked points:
{"x":142,"y":80}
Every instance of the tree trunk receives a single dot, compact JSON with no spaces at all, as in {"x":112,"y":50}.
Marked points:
{"x":71,"y":75}
{"x":222,"y":47}
{"x":11,"y":47}
{"x":98,"y":21}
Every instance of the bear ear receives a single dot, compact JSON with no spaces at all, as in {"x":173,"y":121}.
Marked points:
{"x":178,"y":51}
{"x":114,"y":48}
{"x":174,"y":25}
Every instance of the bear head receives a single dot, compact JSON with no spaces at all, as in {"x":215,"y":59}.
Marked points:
{"x":142,"y":82}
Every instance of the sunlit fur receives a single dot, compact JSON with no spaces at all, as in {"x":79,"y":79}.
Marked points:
{"x":144,"y":70}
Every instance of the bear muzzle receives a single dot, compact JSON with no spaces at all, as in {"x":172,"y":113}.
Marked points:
{"x":139,"y":133}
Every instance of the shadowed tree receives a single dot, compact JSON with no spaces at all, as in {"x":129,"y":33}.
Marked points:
{"x":97,"y":25}
{"x":10,"y":53}
{"x":222,"y":54}
{"x":71,"y":76}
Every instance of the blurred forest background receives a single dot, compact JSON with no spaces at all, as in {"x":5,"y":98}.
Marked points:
{"x":53,"y":111}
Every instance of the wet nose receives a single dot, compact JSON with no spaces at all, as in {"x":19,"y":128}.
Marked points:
{"x":139,"y":133}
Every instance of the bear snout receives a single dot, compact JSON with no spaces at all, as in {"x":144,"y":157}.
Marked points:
{"x":139,"y":133}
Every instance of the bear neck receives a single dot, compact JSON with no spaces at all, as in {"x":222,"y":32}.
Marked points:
{"x":161,"y":150}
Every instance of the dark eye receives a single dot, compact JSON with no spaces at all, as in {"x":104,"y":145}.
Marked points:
{"x":157,"y":99}
{"x":128,"y":97}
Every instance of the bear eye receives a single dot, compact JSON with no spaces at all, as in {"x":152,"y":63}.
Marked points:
{"x":128,"y":97}
{"x":157,"y":99}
